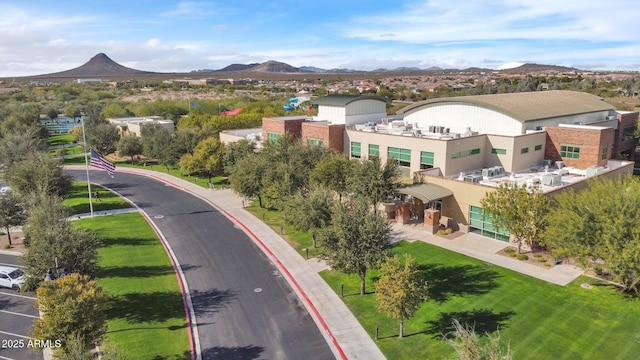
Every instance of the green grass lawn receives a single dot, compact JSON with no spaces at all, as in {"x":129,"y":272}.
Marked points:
{"x":146,"y":313}
{"x":78,"y":199}
{"x":70,"y":150}
{"x":541,"y":320}
{"x":60,"y":139}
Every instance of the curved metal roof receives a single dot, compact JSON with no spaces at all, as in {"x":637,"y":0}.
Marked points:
{"x":344,"y":100}
{"x":426,"y":192}
{"x":526,"y":106}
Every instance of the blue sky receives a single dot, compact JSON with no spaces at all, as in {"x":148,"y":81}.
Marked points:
{"x":43,"y":36}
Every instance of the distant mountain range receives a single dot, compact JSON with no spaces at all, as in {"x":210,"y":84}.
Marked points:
{"x":102,"y":66}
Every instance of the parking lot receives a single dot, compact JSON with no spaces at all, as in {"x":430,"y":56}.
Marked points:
{"x":17,"y":312}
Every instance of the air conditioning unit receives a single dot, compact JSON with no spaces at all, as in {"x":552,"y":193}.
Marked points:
{"x":487,"y":173}
{"x":552,"y":179}
{"x":498,"y":170}
{"x":446,"y":130}
{"x":473,"y":178}
{"x":432,"y":129}
{"x":559,"y":164}
{"x":440,"y":129}
{"x":547,"y":162}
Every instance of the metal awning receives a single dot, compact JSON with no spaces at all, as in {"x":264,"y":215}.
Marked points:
{"x":426,"y":192}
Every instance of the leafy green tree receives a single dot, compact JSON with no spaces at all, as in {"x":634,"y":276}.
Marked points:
{"x":373,"y":181}
{"x":116,"y":110}
{"x":130,"y":145}
{"x":247,"y":176}
{"x":155,"y":141}
{"x":520,"y":209}
{"x":12,"y":213}
{"x":54,"y":243}
{"x":39,"y":173}
{"x":206,"y":158}
{"x":332,"y":172}
{"x":73,"y":306}
{"x":309,"y":213}
{"x":356,"y":240}
{"x":16,"y":146}
{"x":400,"y":288}
{"x":102,"y":137}
{"x":600,"y":224}
{"x":235,"y":151}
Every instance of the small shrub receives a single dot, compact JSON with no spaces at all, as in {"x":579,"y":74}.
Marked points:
{"x":7,"y":246}
{"x":510,"y":250}
{"x":513,"y":254}
{"x":537,"y":256}
{"x":523,"y":257}
{"x":598,"y":270}
{"x":547,"y":264}
{"x":445,"y":231}
{"x":541,"y":259}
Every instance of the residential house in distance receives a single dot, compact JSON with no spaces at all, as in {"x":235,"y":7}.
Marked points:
{"x":459,"y":148}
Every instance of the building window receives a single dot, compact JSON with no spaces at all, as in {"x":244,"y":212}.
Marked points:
{"x":499,"y":151}
{"x":314,"y":142}
{"x":374,"y":151}
{"x":605,"y":152}
{"x":355,"y":150}
{"x":524,"y":150}
{"x":273,"y":137}
{"x":538,"y":147}
{"x":570,"y":151}
{"x":426,"y":160}
{"x":480,"y":222}
{"x":460,"y":154}
{"x":628,"y":133}
{"x":403,"y":156}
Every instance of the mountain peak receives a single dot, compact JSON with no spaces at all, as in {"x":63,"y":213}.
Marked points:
{"x":99,"y":66}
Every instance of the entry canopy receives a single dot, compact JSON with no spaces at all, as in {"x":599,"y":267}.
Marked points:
{"x":426,"y":192}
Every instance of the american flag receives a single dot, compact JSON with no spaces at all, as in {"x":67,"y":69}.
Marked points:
{"x":98,"y":161}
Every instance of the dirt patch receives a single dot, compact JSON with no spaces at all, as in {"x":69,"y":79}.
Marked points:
{"x":538,"y":258}
{"x":16,"y":242}
{"x":453,"y":235}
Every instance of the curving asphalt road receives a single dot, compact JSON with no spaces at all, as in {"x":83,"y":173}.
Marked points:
{"x":244,"y":308}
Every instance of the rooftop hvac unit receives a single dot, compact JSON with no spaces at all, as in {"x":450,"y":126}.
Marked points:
{"x":487,"y":173}
{"x":594,"y":170}
{"x":559,"y":164}
{"x":439,"y":129}
{"x":534,"y":181}
{"x":498,"y":170}
{"x":474,"y":178}
{"x":432,"y":129}
{"x":562,"y":172}
{"x":385,"y":121}
{"x":456,"y":135}
{"x":546,"y":162}
{"x":552,"y":179}
{"x":446,"y":130}
{"x":461,"y":176}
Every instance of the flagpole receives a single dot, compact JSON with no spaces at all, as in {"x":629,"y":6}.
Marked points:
{"x":86,"y":163}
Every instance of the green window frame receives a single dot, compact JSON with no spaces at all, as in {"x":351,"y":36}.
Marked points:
{"x":460,"y":154}
{"x":356,"y":150}
{"x":426,"y":160}
{"x":538,"y":147}
{"x":374,"y":150}
{"x":605,"y":152}
{"x":315,"y":142}
{"x":499,"y":151}
{"x":273,"y":137}
{"x":403,"y":156}
{"x":481,"y":222}
{"x":524,"y":150}
{"x":570,"y":151}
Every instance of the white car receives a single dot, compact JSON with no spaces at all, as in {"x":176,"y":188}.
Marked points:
{"x":11,"y":277}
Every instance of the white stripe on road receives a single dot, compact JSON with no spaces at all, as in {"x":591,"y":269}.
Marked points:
{"x":19,"y":314}
{"x":6,"y":358}
{"x":20,"y":296}
{"x":16,"y":335}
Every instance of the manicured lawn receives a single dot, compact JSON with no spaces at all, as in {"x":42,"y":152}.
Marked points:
{"x":541,"y":320}
{"x":60,"y":139}
{"x":146,"y":315}
{"x":78,"y":199}
{"x":70,"y":150}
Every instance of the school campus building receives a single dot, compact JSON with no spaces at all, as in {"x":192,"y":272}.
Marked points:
{"x":457,"y":149}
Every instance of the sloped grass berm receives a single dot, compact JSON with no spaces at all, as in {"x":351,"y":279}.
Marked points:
{"x":146,"y":316}
{"x":540,"y":320}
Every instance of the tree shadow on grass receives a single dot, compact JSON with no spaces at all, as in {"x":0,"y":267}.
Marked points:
{"x":184,"y":356}
{"x":238,"y":352}
{"x":128,"y":242}
{"x":136,"y":271}
{"x":211,"y":301}
{"x":482,"y":320}
{"x":446,"y":281}
{"x":143,"y":308}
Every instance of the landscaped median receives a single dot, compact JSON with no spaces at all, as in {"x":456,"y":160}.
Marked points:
{"x":146,"y":318}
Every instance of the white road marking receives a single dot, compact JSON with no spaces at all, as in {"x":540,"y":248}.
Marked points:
{"x":18,"y":314}
{"x":20,"y":296}
{"x":16,"y":335}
